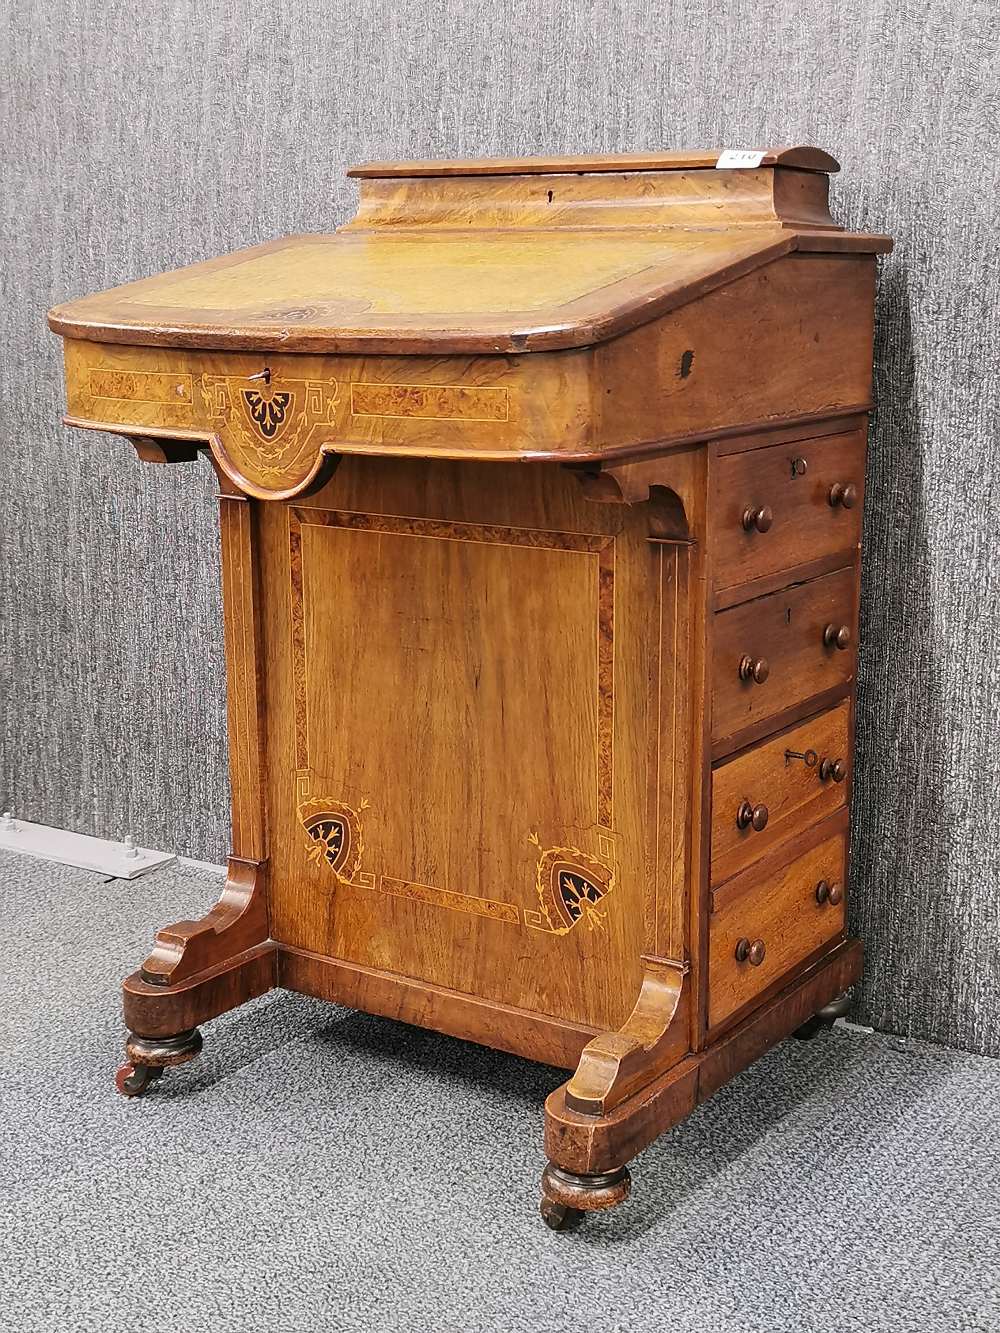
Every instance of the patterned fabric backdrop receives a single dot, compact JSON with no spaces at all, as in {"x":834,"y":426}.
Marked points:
{"x":137,"y":139}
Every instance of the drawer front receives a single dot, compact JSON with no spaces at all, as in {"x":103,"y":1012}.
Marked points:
{"x":270,"y":416}
{"x":767,"y":923}
{"x":776,"y":651}
{"x":792,"y":778}
{"x":783,"y":506}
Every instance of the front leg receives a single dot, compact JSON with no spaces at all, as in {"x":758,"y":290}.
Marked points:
{"x":588,"y":1153}
{"x":197,"y":970}
{"x":614,"y":1069}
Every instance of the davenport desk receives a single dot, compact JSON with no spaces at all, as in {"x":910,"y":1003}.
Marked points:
{"x":540,"y":519}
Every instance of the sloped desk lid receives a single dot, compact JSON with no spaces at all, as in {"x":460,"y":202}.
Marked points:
{"x":428,"y":287}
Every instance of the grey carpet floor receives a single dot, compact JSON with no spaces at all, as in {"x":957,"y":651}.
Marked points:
{"x":320,"y":1170}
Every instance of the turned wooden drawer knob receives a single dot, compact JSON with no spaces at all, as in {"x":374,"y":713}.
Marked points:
{"x":846,"y":496}
{"x":755,"y":669}
{"x":759,"y":519}
{"x":832,"y":768}
{"x":837,"y":636}
{"x":829,"y":893}
{"x":751,"y":816}
{"x":747,"y":952}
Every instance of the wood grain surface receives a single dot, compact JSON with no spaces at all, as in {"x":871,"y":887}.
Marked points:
{"x":783,"y":774}
{"x":775,"y":905}
{"x":804,"y":525}
{"x":785,"y":631}
{"x":473,"y":711}
{"x":803,"y":156}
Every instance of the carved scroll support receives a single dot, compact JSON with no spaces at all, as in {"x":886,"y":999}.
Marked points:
{"x":668,"y":483}
{"x":655,"y":1036}
{"x":197,"y":970}
{"x":600,"y":1145}
{"x":236,"y":923}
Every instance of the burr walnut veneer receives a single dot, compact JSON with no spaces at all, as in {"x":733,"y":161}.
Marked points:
{"x":540,"y":518}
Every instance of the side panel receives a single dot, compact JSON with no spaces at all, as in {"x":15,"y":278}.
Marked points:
{"x":791,"y":339}
{"x":464,"y":724}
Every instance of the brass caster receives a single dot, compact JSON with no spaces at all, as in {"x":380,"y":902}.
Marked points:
{"x":824,"y":1018}
{"x":557,"y":1217}
{"x":566,"y":1196}
{"x":133,"y":1080}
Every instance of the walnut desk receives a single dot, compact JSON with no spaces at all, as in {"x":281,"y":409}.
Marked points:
{"x":540,"y":519}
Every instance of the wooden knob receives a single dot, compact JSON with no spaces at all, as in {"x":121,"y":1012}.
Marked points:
{"x":832,"y":768}
{"x":829,"y":893}
{"x":747,"y":952}
{"x":760,"y":518}
{"x":755,"y":669}
{"x":846,"y":496}
{"x":837,"y":636}
{"x":751,"y":816}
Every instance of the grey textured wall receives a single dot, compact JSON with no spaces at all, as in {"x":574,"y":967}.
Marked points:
{"x":139,"y":139}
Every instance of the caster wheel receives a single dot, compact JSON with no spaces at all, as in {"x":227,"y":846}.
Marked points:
{"x":559,"y":1217}
{"x":824,"y":1018}
{"x":133,"y":1080}
{"x":812,"y":1027}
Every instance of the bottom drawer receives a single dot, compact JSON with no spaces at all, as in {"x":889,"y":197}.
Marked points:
{"x":766,"y":921}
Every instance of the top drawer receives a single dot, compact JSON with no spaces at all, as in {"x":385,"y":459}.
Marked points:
{"x":786,"y":505}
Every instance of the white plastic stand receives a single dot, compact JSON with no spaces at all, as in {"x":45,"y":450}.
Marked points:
{"x":120,"y":860}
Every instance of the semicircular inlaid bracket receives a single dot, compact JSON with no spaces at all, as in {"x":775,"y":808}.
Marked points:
{"x":266,"y":436}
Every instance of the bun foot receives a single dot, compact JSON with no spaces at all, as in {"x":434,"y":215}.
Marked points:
{"x":133,"y":1080}
{"x":566,"y":1197}
{"x":824,"y":1018}
{"x":147,"y":1057}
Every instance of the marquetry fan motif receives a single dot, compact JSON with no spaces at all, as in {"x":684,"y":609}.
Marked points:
{"x":571,"y":887}
{"x":270,"y":436}
{"x":577,"y":893}
{"x":268,"y":411}
{"x":334,"y":831}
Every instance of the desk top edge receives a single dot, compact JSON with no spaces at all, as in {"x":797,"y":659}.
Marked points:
{"x":525,"y":332}
{"x":800,"y":156}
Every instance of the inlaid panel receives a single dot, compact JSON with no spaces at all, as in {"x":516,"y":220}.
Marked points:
{"x":493,"y":826}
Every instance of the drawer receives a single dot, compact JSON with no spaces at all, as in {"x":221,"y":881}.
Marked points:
{"x":785,"y":505}
{"x":768,"y":921}
{"x":793,"y":793}
{"x":269,"y":415}
{"x":777,"y":651}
